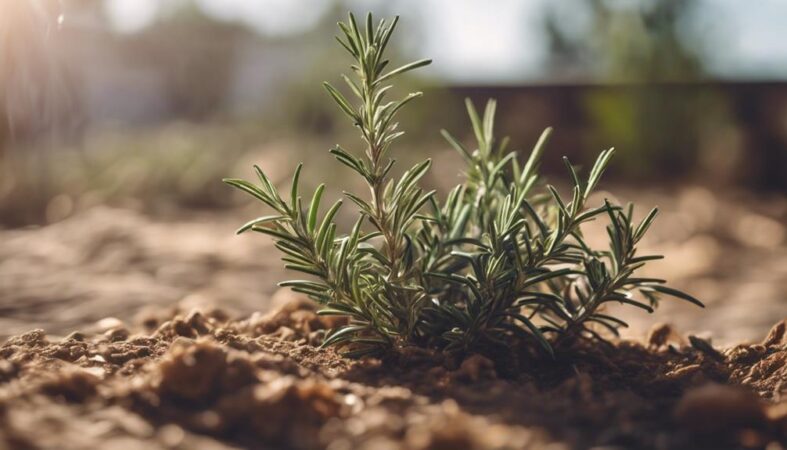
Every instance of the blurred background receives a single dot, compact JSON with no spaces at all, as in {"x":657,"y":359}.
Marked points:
{"x":118,"y":118}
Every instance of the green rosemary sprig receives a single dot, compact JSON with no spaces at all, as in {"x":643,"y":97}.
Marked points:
{"x":502,"y":258}
{"x":393,"y":204}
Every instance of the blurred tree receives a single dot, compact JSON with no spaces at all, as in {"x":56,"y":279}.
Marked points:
{"x":636,"y":41}
{"x":644,"y":45}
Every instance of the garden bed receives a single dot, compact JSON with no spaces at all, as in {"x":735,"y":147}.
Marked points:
{"x":199,"y":379}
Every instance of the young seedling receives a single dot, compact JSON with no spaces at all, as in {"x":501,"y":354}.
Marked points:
{"x":501,"y":258}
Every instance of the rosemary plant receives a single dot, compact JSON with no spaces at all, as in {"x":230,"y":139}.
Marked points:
{"x":501,"y":258}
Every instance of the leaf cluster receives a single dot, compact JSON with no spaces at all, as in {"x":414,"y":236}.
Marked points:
{"x":501,"y":258}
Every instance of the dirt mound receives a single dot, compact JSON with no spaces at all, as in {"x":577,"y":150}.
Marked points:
{"x":202,"y":381}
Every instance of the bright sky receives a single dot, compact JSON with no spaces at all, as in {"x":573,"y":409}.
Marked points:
{"x":470,"y":40}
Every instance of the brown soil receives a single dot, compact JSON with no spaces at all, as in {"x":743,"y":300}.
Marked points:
{"x":165,"y":377}
{"x":200,"y":380}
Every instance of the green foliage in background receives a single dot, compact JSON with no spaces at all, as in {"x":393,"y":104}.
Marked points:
{"x":652,"y":52}
{"x":158,"y":169}
{"x":501,"y":258}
